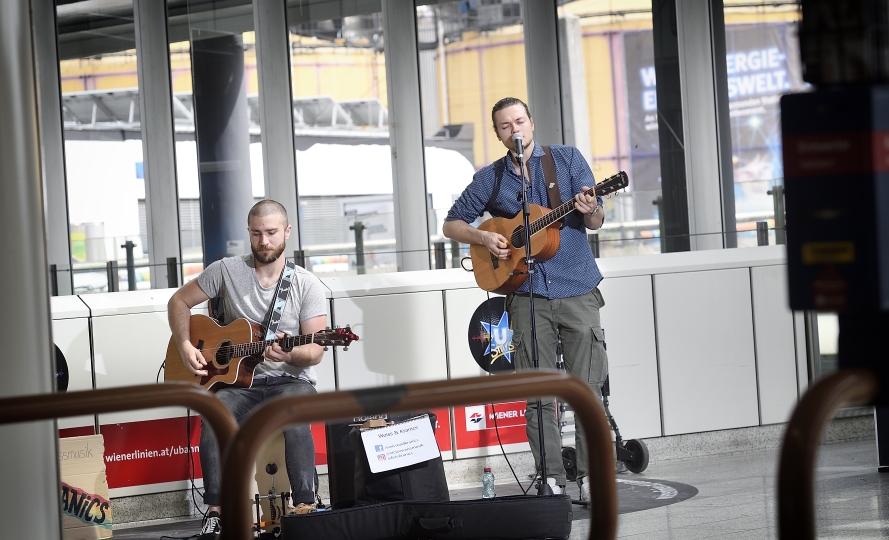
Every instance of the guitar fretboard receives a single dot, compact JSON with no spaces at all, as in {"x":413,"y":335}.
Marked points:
{"x":257,"y":347}
{"x":609,"y":185}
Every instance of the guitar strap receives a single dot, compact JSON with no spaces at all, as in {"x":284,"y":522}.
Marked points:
{"x":276,"y":309}
{"x":549,"y":175}
{"x":552,"y":181}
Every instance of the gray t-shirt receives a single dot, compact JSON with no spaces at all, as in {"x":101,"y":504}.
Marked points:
{"x":234,"y":278}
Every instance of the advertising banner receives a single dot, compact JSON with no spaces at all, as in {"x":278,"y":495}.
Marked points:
{"x":762,"y":62}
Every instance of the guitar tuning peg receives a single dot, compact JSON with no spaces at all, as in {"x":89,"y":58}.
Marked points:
{"x":325,"y":348}
{"x":346,"y":348}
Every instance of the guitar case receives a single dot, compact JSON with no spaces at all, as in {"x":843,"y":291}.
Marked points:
{"x":503,"y":518}
{"x":353,"y":483}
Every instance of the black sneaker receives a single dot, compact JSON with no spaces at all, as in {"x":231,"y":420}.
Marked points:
{"x":211,"y":527}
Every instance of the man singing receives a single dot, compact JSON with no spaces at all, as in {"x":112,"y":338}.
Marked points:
{"x":566,"y":295}
{"x":247,"y":286}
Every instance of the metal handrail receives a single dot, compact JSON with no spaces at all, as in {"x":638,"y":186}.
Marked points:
{"x":127,"y":398}
{"x":278,"y":413}
{"x":796,"y":472}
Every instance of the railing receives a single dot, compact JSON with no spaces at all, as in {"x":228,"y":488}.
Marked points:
{"x":796,"y":472}
{"x":147,"y":396}
{"x":272,"y":416}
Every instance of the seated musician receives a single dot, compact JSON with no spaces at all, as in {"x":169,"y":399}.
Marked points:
{"x":247,"y":284}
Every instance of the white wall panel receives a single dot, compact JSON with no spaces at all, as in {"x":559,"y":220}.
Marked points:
{"x":401,"y":339}
{"x":325,"y":371}
{"x":461,"y":304}
{"x":129,"y":350}
{"x":628,"y":320}
{"x":775,"y":350}
{"x":705,"y":332}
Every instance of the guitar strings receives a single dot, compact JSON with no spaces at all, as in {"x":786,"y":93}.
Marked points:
{"x":214,"y":351}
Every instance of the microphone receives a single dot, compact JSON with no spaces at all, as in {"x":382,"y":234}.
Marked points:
{"x":517,"y":143}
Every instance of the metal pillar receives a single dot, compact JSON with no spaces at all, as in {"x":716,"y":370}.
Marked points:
{"x":52,"y":144}
{"x":406,"y":134}
{"x":359,"y":227}
{"x":158,"y":146}
{"x":221,"y":123}
{"x":673,"y":205}
{"x":540,"y":20}
{"x":708,"y":141}
{"x":576,"y":116}
{"x":275,"y":102}
{"x":762,"y":233}
{"x":455,"y":254}
{"x":439,"y":248}
{"x":30,"y":451}
{"x":777,"y":194}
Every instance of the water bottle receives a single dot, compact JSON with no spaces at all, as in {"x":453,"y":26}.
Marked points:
{"x":488,"y":484}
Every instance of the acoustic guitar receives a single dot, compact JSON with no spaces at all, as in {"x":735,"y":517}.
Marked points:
{"x":504,"y":276}
{"x":233,"y":351}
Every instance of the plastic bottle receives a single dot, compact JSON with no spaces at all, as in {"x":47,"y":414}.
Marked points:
{"x":488,"y":484}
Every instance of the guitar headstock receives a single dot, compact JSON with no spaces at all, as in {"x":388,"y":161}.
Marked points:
{"x":612,"y":184}
{"x":335,"y":337}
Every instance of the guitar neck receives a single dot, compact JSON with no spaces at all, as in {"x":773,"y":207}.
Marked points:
{"x":257,"y":347}
{"x":557,"y":213}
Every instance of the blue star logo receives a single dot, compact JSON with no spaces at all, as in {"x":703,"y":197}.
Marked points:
{"x":500,"y":343}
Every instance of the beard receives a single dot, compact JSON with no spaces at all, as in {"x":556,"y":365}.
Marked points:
{"x":268,"y":258}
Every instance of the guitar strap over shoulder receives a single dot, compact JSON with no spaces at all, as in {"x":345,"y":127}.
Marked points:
{"x":549,"y":176}
{"x":552,"y":181}
{"x":279,"y":300}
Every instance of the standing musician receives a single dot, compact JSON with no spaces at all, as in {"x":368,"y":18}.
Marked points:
{"x":247,"y":285}
{"x":566,"y":294}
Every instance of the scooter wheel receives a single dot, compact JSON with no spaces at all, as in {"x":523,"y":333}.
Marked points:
{"x":639,"y":461}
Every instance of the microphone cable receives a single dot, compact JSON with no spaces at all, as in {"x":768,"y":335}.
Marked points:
{"x":500,"y":441}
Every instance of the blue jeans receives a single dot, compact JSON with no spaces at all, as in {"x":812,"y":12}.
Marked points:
{"x":299,"y":448}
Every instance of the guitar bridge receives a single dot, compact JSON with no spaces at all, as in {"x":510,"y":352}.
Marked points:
{"x":495,"y":262}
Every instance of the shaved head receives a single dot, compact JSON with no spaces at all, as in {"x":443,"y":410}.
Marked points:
{"x":267,"y":208}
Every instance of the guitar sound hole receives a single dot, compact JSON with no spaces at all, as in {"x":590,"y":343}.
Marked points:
{"x":224,"y":353}
{"x":518,"y":237}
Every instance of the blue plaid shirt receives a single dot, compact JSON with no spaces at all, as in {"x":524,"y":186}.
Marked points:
{"x":573,"y":270}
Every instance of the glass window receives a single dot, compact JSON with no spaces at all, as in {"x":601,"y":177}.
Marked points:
{"x":617,"y":126}
{"x":462,"y":48}
{"x":216,"y":110}
{"x":763,"y":62}
{"x":197,"y":22}
{"x":343,"y":158}
{"x":186,"y":156}
{"x":103,"y":147}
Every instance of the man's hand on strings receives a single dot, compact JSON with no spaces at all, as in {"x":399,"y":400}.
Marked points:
{"x":275,"y":352}
{"x":193,"y":359}
{"x":585,"y":203}
{"x":497,"y":245}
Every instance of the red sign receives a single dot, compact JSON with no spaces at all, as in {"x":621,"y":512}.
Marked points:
{"x":443,"y":429}
{"x":477,"y":426}
{"x":151,"y":452}
{"x":157,"y":451}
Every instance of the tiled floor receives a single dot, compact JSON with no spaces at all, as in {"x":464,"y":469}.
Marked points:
{"x":735,"y":499}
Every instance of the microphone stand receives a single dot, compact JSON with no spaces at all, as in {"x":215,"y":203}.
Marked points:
{"x":544,"y":489}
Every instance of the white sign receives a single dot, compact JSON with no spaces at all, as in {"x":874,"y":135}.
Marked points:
{"x":400,"y":445}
